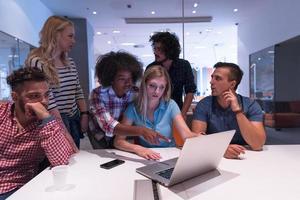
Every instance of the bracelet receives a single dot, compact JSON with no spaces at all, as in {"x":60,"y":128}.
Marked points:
{"x":84,"y":113}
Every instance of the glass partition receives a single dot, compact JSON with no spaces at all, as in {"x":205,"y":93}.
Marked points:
{"x":13,"y":53}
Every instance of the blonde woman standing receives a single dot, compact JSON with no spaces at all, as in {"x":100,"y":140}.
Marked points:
{"x":66,"y":99}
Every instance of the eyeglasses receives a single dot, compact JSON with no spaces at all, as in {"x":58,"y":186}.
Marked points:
{"x":154,"y":87}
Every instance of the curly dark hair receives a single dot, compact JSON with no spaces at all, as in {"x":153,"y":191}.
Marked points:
{"x":109,"y":64}
{"x":235,"y":71}
{"x":18,"y":77}
{"x":170,"y":44}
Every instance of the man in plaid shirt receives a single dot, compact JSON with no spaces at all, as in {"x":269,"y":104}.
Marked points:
{"x":28,"y":131}
{"x":117,"y":72}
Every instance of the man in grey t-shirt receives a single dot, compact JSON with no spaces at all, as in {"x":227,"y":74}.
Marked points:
{"x":226,"y":110}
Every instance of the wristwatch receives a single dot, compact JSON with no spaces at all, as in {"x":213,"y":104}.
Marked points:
{"x":84,"y":113}
{"x":238,"y":111}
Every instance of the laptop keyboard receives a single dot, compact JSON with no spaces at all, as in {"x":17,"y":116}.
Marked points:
{"x":166,"y":173}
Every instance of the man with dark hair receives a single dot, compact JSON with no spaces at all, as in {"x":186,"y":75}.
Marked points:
{"x":166,"y":49}
{"x":225,"y":110}
{"x":117,"y":72}
{"x":28,"y":131}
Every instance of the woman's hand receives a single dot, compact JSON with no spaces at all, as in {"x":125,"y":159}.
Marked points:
{"x":149,"y":154}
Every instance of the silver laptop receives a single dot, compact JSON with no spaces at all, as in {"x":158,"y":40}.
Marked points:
{"x":198,"y":156}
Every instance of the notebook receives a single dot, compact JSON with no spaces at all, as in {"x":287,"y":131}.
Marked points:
{"x":199,"y":155}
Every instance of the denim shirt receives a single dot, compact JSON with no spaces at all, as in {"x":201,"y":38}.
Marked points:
{"x":163,"y":121}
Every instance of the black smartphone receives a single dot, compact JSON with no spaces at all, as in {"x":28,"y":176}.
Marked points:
{"x":112,"y":164}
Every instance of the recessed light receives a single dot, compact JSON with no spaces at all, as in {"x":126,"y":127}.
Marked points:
{"x":258,"y":58}
{"x":235,"y":10}
{"x":127,"y":44}
{"x":153,"y":12}
{"x":187,"y":33}
{"x":94,"y":12}
{"x":194,"y":11}
{"x":108,"y":42}
{"x":195,"y":5}
{"x":116,"y":31}
{"x":98,"y":33}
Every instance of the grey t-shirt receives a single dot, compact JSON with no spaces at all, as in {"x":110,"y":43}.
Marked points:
{"x":219,"y":119}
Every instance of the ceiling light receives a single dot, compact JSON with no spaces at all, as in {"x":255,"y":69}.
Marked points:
{"x":194,"y":11}
{"x":127,"y":44}
{"x":208,"y":30}
{"x":94,"y":12}
{"x":153,"y":12}
{"x":13,"y":56}
{"x":138,"y":46}
{"x":165,"y":20}
{"x":116,"y":31}
{"x":108,"y":42}
{"x":195,"y":5}
{"x":98,"y":33}
{"x":235,"y":10}
{"x":187,"y":33}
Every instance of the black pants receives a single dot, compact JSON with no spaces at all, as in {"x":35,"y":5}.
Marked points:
{"x":104,"y":143}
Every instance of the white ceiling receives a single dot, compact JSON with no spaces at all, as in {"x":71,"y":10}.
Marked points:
{"x":202,"y":48}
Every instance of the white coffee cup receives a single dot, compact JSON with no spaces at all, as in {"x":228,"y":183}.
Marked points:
{"x":60,"y":175}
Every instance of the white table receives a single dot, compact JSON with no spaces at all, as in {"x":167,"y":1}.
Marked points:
{"x":270,"y":174}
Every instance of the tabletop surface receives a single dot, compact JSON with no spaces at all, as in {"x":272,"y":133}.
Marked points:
{"x":273,"y":173}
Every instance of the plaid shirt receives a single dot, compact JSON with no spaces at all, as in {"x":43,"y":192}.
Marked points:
{"x":106,"y":109}
{"x":21,"y":151}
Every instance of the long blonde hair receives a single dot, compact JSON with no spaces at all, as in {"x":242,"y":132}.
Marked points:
{"x":155,"y":71}
{"x":48,"y":44}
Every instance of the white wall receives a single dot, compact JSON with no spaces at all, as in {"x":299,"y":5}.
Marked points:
{"x":271,"y":22}
{"x":23,"y":19}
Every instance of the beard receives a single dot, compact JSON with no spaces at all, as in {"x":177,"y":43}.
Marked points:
{"x":29,"y":114}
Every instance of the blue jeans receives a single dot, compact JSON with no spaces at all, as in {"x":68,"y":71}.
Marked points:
{"x":7,"y":194}
{"x":73,"y":126}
